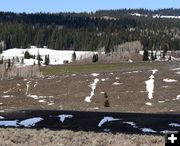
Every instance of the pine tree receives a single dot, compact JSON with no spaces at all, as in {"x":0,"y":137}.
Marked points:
{"x":9,"y":63}
{"x":1,"y":49}
{"x":106,"y":102}
{"x":22,"y":61}
{"x":27,"y":55}
{"x":152,"y":55}
{"x":145,"y":55}
{"x":74,"y":57}
{"x":39,"y":59}
{"x":95,"y":58}
{"x":46,"y":61}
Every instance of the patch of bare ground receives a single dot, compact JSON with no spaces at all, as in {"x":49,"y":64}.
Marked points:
{"x":125,"y":87}
{"x":45,"y":137}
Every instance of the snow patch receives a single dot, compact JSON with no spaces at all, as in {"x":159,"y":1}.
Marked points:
{"x":107,"y":119}
{"x":174,"y":125}
{"x":131,"y":123}
{"x":2,"y":117}
{"x":41,"y":101}
{"x":51,"y":103}
{"x":95,"y":74}
{"x":148,"y":130}
{"x":35,"y":84}
{"x":93,"y":87}
{"x":9,"y":123}
{"x":30,"y":122}
{"x":165,"y":86}
{"x":56,"y":56}
{"x":116,"y":83}
{"x":104,"y":79}
{"x":169,"y":80}
{"x":150,"y":84}
{"x":63,"y":117}
{"x":7,"y":96}
{"x":148,"y":103}
{"x":161,"y":101}
{"x":175,"y":69}
{"x":38,"y":97}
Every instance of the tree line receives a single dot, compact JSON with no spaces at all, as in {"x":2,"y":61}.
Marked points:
{"x":89,"y":31}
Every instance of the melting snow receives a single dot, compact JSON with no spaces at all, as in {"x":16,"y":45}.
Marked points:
{"x":56,"y":56}
{"x":131,"y":123}
{"x":38,"y":97}
{"x":177,"y":72}
{"x":95,"y":74}
{"x":30,"y":122}
{"x":161,"y":101}
{"x":93,"y":87}
{"x":2,"y":117}
{"x":6,"y":96}
{"x":63,"y":117}
{"x":148,"y":130}
{"x":175,"y":69}
{"x":107,"y":119}
{"x":9,"y":123}
{"x":150,"y":84}
{"x":174,"y":125}
{"x":148,"y":103}
{"x":104,"y":79}
{"x":51,"y":103}
{"x":117,"y":78}
{"x":35,"y":84}
{"x":116,"y":83}
{"x":41,"y":101}
{"x":169,"y":80}
{"x":165,"y":86}
{"x":1,"y":103}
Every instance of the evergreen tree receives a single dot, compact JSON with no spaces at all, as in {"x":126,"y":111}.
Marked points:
{"x":22,"y":61}
{"x":74,"y":57}
{"x":145,"y":55}
{"x":152,"y":55}
{"x":39,"y":59}
{"x":1,"y":49}
{"x":46,"y":61}
{"x":95,"y":58}
{"x":27,"y":55}
{"x":9,"y":63}
{"x":106,"y":102}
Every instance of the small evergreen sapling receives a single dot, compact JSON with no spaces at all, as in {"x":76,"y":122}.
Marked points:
{"x":106,"y":102}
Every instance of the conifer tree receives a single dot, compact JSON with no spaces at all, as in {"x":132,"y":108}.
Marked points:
{"x":145,"y":55}
{"x":95,"y":58}
{"x":106,"y":102}
{"x":46,"y":61}
{"x":27,"y":55}
{"x":74,"y":57}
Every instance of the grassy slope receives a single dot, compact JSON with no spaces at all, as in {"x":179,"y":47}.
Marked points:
{"x":89,"y":68}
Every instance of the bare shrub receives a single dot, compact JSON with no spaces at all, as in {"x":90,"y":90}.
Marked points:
{"x":19,"y":71}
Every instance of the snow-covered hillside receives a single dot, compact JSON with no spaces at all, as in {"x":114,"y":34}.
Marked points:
{"x":56,"y":56}
{"x":156,"y":16}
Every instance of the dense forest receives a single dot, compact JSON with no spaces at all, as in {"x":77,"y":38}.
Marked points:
{"x":90,"y":31}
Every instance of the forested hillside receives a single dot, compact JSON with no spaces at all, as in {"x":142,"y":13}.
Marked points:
{"x":90,"y":31}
